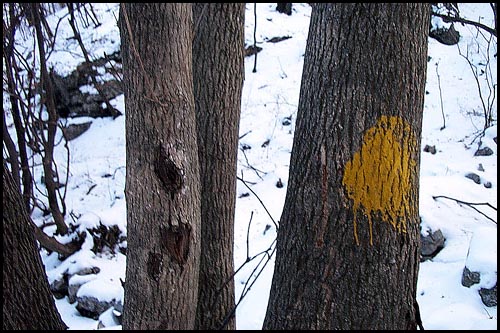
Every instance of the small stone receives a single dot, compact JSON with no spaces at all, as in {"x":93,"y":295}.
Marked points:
{"x":59,"y":287}
{"x":430,"y":149}
{"x":486,"y":151}
{"x":91,"y":307}
{"x":470,"y":278}
{"x":446,"y":36}
{"x":251,"y":50}
{"x":487,"y":184}
{"x":279,"y":183}
{"x":75,"y":130}
{"x":480,"y":167}
{"x":489,"y":296}
{"x":268,"y":226}
{"x":89,"y":270}
{"x":286,"y":121}
{"x":431,"y":245}
{"x":474,"y":177}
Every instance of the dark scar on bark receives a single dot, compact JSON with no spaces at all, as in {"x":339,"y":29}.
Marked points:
{"x":167,"y":170}
{"x":175,"y":239}
{"x":154,"y":265}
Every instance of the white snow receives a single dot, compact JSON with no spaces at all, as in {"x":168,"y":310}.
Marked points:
{"x":97,"y":170}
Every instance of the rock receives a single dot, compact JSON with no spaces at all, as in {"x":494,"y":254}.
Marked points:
{"x":59,"y":288}
{"x":109,"y":318}
{"x":72,"y":291}
{"x":487,"y":184}
{"x":430,"y":149}
{"x":284,"y":7}
{"x":481,"y":264}
{"x":470,"y":278}
{"x":251,"y":50}
{"x":431,"y":245}
{"x":489,"y":296}
{"x":80,"y":278}
{"x":91,"y":307}
{"x":245,"y":146}
{"x":447,"y":36}
{"x":89,"y":270}
{"x":480,"y":167}
{"x":474,"y":177}
{"x":286,"y":121}
{"x":71,"y":93}
{"x":278,"y":39}
{"x":75,"y":130}
{"x":486,"y":151}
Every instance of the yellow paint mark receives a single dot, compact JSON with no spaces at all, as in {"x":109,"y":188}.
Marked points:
{"x":380,"y":175}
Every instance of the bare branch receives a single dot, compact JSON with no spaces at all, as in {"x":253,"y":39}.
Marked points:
{"x":470,"y":204}
{"x":457,"y":19}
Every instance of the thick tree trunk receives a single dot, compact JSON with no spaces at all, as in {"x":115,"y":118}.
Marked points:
{"x":218,"y":72}
{"x":347,"y":248}
{"x":162,"y":183}
{"x":28,"y":303}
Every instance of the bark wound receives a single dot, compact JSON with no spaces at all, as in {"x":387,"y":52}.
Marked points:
{"x":155,"y":265}
{"x":176,"y":240}
{"x":168,"y":168}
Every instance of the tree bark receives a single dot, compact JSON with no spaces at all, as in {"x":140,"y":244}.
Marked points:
{"x":348,"y":241}
{"x":27,"y":301}
{"x":162,"y":182}
{"x":218,"y":72}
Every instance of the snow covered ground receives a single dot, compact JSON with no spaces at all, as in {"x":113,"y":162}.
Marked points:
{"x":269,"y":107}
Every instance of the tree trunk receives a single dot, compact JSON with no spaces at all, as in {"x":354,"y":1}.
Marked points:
{"x":49,"y":141}
{"x":348,"y":243}
{"x":27,"y":301}
{"x":218,"y":72}
{"x":162,"y":182}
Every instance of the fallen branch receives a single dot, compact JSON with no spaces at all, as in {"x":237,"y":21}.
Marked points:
{"x":470,"y":204}
{"x":52,"y":244}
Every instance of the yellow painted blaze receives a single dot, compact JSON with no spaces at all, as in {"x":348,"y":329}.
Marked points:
{"x":380,"y":175}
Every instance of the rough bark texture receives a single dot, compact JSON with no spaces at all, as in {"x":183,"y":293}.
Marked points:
{"x":162,"y":183}
{"x":347,"y":248}
{"x":218,"y":71}
{"x":28,"y":303}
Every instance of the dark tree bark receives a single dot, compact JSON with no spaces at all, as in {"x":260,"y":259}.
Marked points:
{"x":18,"y":162}
{"x":27,"y":301}
{"x":218,"y":72}
{"x":348,"y":241}
{"x":162,"y":183}
{"x":49,"y":141}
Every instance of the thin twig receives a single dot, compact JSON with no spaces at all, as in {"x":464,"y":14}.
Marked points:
{"x":470,"y":204}
{"x":248,"y":187}
{"x":448,"y":19}
{"x":251,"y":166}
{"x":441,"y":97}
{"x":254,"y":37}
